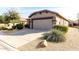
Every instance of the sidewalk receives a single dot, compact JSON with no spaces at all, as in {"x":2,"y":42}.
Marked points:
{"x":6,"y":47}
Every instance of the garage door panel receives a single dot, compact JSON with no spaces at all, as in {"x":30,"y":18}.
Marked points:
{"x":42,"y":24}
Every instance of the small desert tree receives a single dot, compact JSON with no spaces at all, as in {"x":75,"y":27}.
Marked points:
{"x":1,"y":19}
{"x":11,"y":16}
{"x":6,"y":18}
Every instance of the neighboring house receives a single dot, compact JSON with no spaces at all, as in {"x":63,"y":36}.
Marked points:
{"x":71,"y":23}
{"x":76,"y":23}
{"x":45,"y":20}
{"x":23,"y":19}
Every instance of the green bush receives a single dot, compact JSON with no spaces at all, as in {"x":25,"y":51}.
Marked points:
{"x":26,"y":26}
{"x":54,"y":36}
{"x":61,"y":28}
{"x":13,"y":27}
{"x":19,"y":26}
{"x":3,"y":28}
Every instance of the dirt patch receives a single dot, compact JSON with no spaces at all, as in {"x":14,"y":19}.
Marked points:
{"x":71,"y":44}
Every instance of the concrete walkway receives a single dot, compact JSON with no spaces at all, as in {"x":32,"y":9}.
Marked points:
{"x":19,"y":38}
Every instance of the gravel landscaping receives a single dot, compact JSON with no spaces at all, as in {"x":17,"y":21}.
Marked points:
{"x":71,"y":44}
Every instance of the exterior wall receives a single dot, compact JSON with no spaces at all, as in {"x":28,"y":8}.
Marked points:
{"x":46,"y":24}
{"x":60,"y":21}
{"x":43,"y":14}
{"x":43,"y":24}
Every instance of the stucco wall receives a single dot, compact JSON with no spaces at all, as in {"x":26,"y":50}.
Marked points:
{"x":47,"y":24}
{"x":60,"y":21}
{"x":44,"y":14}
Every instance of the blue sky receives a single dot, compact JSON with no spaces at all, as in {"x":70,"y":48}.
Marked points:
{"x":69,"y":13}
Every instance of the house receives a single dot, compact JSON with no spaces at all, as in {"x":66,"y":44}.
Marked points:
{"x":71,"y":23}
{"x":23,"y":20}
{"x":46,"y":19}
{"x":76,"y":23}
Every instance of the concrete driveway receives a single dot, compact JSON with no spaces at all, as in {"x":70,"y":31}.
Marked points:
{"x":20,"y":37}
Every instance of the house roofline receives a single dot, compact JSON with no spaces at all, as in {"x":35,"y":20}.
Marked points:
{"x":50,"y":12}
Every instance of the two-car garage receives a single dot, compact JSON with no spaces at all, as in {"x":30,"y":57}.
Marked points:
{"x":45,"y":20}
{"x":44,"y":24}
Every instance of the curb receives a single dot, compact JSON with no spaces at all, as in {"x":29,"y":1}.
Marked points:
{"x":11,"y":48}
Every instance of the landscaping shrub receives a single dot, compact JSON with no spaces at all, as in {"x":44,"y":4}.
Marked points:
{"x":26,"y":26}
{"x":19,"y":26}
{"x":9,"y":28}
{"x":13,"y":27}
{"x":3,"y":28}
{"x":54,"y":36}
{"x":61,"y":28}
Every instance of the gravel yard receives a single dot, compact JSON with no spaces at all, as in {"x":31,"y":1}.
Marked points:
{"x":71,"y":44}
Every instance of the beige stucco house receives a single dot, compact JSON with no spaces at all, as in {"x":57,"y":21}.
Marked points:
{"x":46,"y":19}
